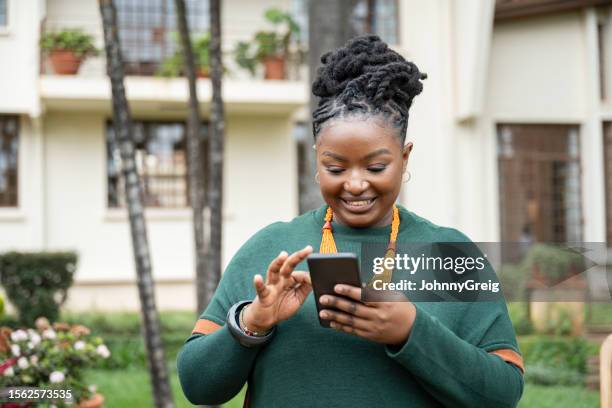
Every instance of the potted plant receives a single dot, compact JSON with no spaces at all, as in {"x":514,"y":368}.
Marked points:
{"x":52,"y":357}
{"x":67,"y":49}
{"x":557,"y":289}
{"x":552,"y":264}
{"x":270,"y":48}
{"x":174,"y":65}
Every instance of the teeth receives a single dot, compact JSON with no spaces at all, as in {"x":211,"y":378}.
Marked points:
{"x":359,"y":203}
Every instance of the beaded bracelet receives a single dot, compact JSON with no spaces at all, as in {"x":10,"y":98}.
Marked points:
{"x":242,"y":335}
{"x":244,"y":327}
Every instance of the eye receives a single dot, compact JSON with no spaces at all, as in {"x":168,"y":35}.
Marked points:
{"x":377,"y":169}
{"x":335,"y":170}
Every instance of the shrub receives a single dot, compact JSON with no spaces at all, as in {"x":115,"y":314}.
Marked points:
{"x":569,"y":353}
{"x":544,"y":375}
{"x":122,"y":333}
{"x":554,"y":263}
{"x":37,"y":283}
{"x":50,"y":357}
{"x":513,"y":280}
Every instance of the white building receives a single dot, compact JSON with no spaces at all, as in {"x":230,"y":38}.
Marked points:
{"x":510,"y":133}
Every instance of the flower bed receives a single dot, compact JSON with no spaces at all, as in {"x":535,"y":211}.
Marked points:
{"x":50,"y":356}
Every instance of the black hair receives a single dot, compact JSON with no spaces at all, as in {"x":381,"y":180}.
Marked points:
{"x":365,"y":78}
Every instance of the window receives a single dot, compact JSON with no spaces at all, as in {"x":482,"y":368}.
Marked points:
{"x":539,"y":183}
{"x":3,"y":13}
{"x":149,"y":33}
{"x":378,"y":17}
{"x":161,"y":161}
{"x":9,"y":144}
{"x":608,"y":178}
{"x":369,"y":16}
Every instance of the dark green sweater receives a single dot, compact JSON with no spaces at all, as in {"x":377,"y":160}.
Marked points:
{"x":444,"y":362}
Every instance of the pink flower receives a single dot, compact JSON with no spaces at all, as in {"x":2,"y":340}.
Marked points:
{"x":57,"y":377}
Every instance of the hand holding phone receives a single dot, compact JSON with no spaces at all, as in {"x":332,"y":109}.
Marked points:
{"x":328,"y":270}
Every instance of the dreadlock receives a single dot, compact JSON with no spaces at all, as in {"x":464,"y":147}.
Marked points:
{"x":365,"y":78}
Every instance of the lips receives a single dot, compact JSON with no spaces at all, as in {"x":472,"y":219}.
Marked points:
{"x":358,"y":206}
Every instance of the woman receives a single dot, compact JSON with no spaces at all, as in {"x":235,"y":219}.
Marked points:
{"x":264,"y":329}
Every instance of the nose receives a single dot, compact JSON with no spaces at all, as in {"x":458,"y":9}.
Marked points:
{"x":356,"y":184}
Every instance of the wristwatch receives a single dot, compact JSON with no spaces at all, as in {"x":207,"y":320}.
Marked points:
{"x":245,"y":338}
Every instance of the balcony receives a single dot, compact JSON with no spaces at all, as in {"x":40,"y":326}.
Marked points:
{"x":146,"y":94}
{"x":147,"y":90}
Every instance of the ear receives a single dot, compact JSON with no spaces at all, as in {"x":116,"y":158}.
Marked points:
{"x":406,"y":154}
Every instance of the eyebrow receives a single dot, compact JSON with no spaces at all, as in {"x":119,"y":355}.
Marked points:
{"x":366,"y":157}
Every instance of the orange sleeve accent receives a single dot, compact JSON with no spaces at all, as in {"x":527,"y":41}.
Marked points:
{"x":204,"y":326}
{"x":510,"y":356}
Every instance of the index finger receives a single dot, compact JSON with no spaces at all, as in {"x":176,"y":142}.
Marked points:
{"x":294,"y":259}
{"x":274,"y":268}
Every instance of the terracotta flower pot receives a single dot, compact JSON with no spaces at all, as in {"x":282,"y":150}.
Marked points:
{"x":65,"y":62}
{"x":96,"y":401}
{"x":274,"y":68}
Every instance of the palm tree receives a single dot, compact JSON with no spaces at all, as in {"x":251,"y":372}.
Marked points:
{"x":162,"y":393}
{"x":196,"y":167}
{"x":215,"y":162}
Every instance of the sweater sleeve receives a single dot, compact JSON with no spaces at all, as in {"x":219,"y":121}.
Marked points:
{"x":213,"y":367}
{"x":461,"y":372}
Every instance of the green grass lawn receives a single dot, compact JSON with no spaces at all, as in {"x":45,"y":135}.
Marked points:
{"x":131,"y":388}
{"x":537,"y":396}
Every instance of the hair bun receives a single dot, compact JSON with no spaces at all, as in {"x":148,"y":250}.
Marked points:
{"x":367,"y":67}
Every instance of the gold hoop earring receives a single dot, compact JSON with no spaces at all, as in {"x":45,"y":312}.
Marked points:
{"x":317,"y":178}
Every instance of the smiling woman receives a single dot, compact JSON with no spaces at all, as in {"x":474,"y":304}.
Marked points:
{"x":261,"y":327}
{"x":360,"y":167}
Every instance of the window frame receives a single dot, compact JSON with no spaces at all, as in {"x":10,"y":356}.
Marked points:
{"x":6,"y":28}
{"x":137,"y":22}
{"x":607,"y":157}
{"x":518,"y":158}
{"x":370,"y":20}
{"x":17,"y":136}
{"x":147,"y":123}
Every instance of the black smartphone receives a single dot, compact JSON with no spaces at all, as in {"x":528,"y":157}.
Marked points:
{"x":328,"y":270}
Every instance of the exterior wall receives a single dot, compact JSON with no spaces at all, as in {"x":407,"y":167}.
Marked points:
{"x":20,"y":42}
{"x":77,"y":216}
{"x":544,"y":70}
{"x":430,"y":126}
{"x":538,"y":70}
{"x":21,"y":227}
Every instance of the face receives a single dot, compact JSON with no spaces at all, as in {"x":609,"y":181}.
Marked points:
{"x":360,"y":165}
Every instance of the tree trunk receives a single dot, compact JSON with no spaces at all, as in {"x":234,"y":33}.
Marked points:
{"x":162,"y":393}
{"x":196,"y":168}
{"x":329,"y":23}
{"x":215,"y":159}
